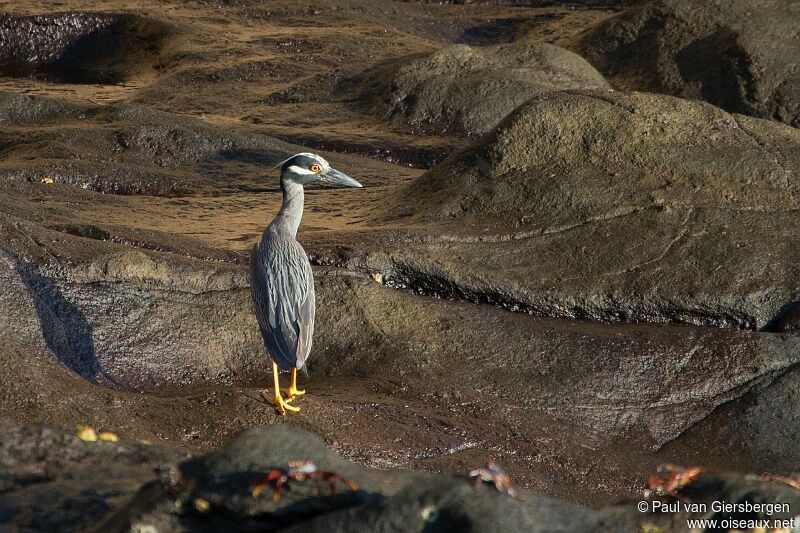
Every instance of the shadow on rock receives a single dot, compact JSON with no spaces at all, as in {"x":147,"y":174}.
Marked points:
{"x":738,"y":55}
{"x":65,"y":328}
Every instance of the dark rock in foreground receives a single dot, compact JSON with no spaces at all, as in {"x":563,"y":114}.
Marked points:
{"x":466,"y":91}
{"x":225,"y":479}
{"x":453,"y":504}
{"x":52,"y":480}
{"x":740,"y":55}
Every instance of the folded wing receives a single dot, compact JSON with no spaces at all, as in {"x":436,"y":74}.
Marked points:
{"x":282,"y":285}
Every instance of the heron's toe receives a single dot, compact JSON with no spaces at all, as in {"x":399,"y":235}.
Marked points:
{"x":280,"y":404}
{"x":291,"y":393}
{"x":290,"y":407}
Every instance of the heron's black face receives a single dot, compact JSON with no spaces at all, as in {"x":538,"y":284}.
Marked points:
{"x":308,"y":168}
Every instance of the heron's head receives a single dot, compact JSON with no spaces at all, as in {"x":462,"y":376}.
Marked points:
{"x":308,"y":168}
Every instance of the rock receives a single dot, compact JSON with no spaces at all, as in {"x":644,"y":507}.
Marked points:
{"x":79,"y":47}
{"x":789,"y":319}
{"x":20,"y":109}
{"x":453,"y":505}
{"x":128,"y":149}
{"x":131,"y":313}
{"x":450,"y":505}
{"x":171,"y":315}
{"x":608,"y":206}
{"x":465,"y":90}
{"x":53,"y":480}
{"x":134,"y":149}
{"x":111,"y":318}
{"x":393,"y":360}
{"x":773,"y":411}
{"x":739,"y":55}
{"x":224,"y":479}
{"x":91,"y":300}
{"x":386,"y":498}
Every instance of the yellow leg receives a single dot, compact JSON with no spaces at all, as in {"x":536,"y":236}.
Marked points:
{"x":292,"y":390}
{"x":280,"y":405}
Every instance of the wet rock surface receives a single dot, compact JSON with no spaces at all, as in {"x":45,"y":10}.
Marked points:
{"x":78,"y":47}
{"x":738,"y":55}
{"x":605,"y":282}
{"x":466,"y":91}
{"x":132,"y":149}
{"x":128,"y":149}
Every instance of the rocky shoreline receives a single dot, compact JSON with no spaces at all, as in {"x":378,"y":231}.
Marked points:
{"x":576,"y":253}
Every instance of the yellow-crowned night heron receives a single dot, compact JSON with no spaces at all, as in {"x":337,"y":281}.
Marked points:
{"x":281,"y":280}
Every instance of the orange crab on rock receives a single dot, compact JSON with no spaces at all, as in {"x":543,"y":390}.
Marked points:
{"x":299,"y":471}
{"x":495,"y":475}
{"x":670,"y":479}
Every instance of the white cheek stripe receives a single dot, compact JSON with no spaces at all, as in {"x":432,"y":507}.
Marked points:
{"x":301,"y":170}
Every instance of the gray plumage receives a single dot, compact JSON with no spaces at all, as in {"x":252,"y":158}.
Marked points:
{"x":282,"y":283}
{"x":283,"y":295}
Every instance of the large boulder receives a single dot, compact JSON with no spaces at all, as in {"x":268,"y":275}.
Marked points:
{"x":611,"y":206}
{"x":740,"y":55}
{"x":465,"y":90}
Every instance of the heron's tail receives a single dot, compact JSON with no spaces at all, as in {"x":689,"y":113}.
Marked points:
{"x":304,"y":370}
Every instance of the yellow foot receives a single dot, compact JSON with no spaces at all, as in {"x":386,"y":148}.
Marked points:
{"x":280,"y":404}
{"x":291,"y":392}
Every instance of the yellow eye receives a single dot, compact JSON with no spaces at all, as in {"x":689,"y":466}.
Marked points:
{"x":314,"y":168}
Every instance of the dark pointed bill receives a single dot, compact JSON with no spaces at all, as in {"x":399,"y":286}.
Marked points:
{"x":331,"y":175}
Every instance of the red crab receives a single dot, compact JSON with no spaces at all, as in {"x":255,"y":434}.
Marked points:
{"x":669,"y":479}
{"x":495,"y":475}
{"x":299,"y":471}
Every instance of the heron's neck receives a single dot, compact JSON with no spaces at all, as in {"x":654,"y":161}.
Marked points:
{"x":288,"y":219}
